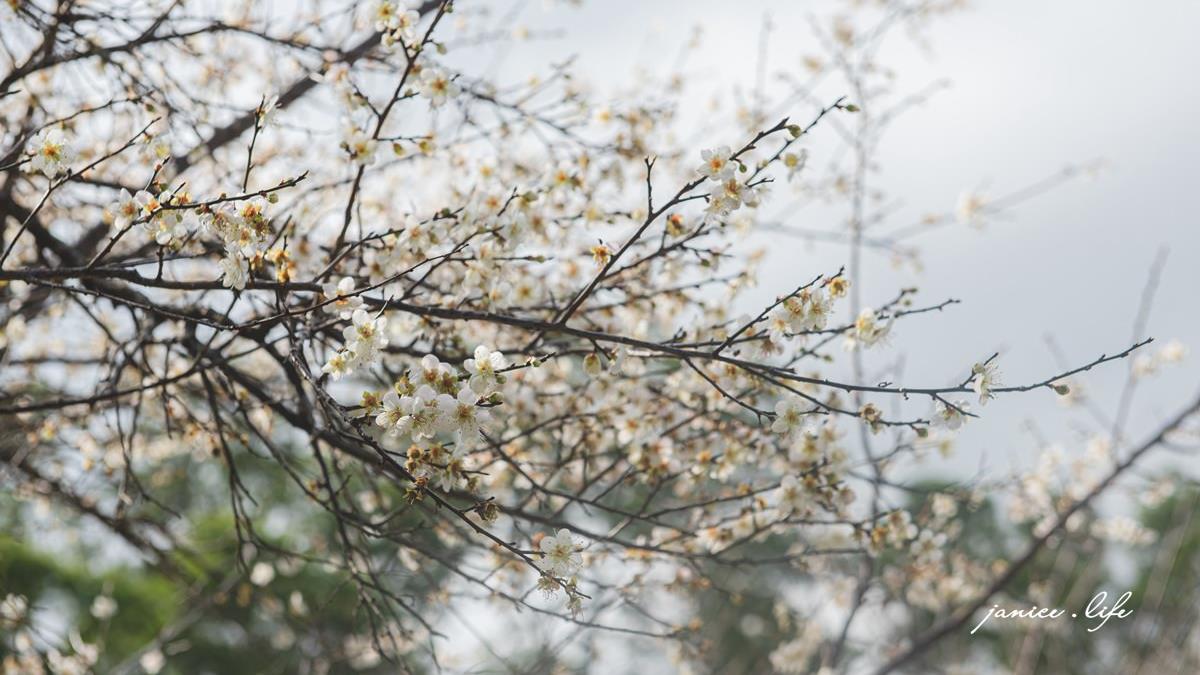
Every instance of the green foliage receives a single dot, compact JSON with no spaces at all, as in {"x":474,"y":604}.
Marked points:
{"x":146,"y":601}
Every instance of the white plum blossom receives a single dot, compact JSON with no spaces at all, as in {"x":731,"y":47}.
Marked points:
{"x":13,"y":609}
{"x":789,"y":417}
{"x":343,"y":300}
{"x":795,"y":162}
{"x":1125,"y":530}
{"x":815,"y":445}
{"x":359,"y":145}
{"x":970,"y":207}
{"x":986,"y":376}
{"x":461,"y":415}
{"x":1173,"y":352}
{"x":868,"y":331}
{"x":13,"y":331}
{"x":126,"y":210}
{"x":262,"y":574}
{"x":928,"y":546}
{"x":808,"y":310}
{"x":437,"y":85}
{"x":896,"y":529}
{"x":767,"y":346}
{"x":431,"y":372}
{"x":422,"y":419}
{"x":394,"y":409}
{"x":338,"y":364}
{"x":235,"y":269}
{"x":386,"y":15}
{"x":167,"y":228}
{"x":483,"y":369}
{"x":419,"y":416}
{"x":560,"y":556}
{"x":727,"y":196}
{"x":267,"y":110}
{"x":716,"y":164}
{"x":751,"y":195}
{"x":1144,"y":365}
{"x":421,"y":236}
{"x":715,"y":538}
{"x":447,"y":475}
{"x":950,"y":416}
{"x":365,"y":339}
{"x":152,"y":661}
{"x":792,"y":657}
{"x":396,"y":21}
{"x":790,"y":494}
{"x":159,"y":148}
{"x":167,"y":231}
{"x":779,"y":325}
{"x":103,"y":607}
{"x":944,"y":506}
{"x":50,"y":153}
{"x":149,"y":203}
{"x":817,"y":308}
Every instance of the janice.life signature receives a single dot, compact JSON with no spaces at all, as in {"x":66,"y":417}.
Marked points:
{"x":1097,"y":609}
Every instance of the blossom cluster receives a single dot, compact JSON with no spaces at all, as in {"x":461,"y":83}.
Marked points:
{"x":486,"y":340}
{"x":365,"y":338}
{"x":725,"y":193}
